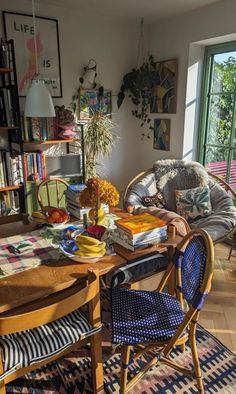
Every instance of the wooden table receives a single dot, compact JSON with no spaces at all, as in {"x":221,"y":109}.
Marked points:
{"x":39,"y":282}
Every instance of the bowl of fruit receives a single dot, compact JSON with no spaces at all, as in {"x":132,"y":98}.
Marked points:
{"x":83,"y":249}
{"x":57,"y":216}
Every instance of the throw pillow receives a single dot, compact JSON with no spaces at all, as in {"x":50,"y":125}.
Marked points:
{"x":157,"y":200}
{"x":193,"y":203}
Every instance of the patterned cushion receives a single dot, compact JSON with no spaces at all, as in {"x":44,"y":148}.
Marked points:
{"x":193,"y":203}
{"x":157,"y":200}
{"x":27,"y":347}
{"x":143,"y":316}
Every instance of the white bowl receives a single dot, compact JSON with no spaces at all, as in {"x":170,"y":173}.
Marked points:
{"x":80,"y":259}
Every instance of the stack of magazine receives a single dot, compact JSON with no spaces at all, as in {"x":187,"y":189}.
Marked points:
{"x":139,"y":231}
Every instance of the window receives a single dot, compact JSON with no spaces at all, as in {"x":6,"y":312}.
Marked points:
{"x":217,"y":142}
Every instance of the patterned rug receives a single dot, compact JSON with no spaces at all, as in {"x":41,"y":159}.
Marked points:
{"x":72,"y":374}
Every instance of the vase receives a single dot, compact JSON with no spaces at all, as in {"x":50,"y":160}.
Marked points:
{"x":97,"y":216}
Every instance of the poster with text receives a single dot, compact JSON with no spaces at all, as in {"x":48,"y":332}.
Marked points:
{"x":31,"y":49}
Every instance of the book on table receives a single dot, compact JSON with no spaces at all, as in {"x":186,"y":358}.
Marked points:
{"x":140,"y":231}
{"x":140,"y":223}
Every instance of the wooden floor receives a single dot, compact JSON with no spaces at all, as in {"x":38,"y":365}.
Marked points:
{"x":219,"y":312}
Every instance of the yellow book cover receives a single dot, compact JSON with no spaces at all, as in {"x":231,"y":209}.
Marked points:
{"x":138,"y":223}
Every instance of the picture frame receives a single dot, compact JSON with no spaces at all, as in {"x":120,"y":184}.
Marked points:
{"x":161,"y":134}
{"x":90,"y":101}
{"x":164,"y":95}
{"x":19,"y":27}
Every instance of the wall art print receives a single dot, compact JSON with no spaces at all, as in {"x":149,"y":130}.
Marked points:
{"x":164,"y":93}
{"x":161,"y":136}
{"x":90,"y":101}
{"x":19,"y":27}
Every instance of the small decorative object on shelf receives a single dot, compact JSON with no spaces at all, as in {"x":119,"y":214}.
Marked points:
{"x":97,"y":192}
{"x":66,"y":123}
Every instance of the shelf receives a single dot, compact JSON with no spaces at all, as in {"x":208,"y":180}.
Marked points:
{"x":5,"y":70}
{"x":8,"y":188}
{"x":9,"y":127}
{"x":48,"y":142}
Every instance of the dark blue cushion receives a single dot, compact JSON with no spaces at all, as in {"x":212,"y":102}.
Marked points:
{"x":143,"y":316}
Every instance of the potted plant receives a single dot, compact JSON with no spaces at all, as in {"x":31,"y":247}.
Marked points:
{"x":139,"y":84}
{"x":98,"y":139}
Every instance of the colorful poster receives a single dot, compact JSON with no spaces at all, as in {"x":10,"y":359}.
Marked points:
{"x":43,"y":49}
{"x":161,"y":138}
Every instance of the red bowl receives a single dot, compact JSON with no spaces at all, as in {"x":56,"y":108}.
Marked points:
{"x":96,"y":231}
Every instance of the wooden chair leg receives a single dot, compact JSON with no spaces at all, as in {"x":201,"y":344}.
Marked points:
{"x":2,"y":387}
{"x":196,"y":364}
{"x":125,"y":356}
{"x":96,"y":362}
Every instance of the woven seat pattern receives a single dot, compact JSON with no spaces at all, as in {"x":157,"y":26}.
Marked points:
{"x":143,"y":316}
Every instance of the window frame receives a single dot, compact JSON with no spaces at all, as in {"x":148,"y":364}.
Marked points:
{"x":202,"y":144}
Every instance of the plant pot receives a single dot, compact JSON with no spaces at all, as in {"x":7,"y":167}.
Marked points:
{"x":97,"y":216}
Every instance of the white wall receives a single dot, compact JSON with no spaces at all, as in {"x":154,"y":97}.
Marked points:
{"x":177,"y":37}
{"x":113,"y":43}
{"x":114,"y":46}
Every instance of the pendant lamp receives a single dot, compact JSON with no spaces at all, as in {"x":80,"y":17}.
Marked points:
{"x":38,"y":100}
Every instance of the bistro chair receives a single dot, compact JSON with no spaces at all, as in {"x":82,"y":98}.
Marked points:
{"x":42,"y":331}
{"x":155,"y":322}
{"x":50,"y":193}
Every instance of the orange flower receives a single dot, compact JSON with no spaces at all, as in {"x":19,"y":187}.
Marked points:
{"x":108,"y":194}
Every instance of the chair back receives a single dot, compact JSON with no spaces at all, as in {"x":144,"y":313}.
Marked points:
{"x":194,"y":259}
{"x":54,"y":307}
{"x":50,"y":193}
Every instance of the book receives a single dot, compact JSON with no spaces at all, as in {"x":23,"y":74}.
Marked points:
{"x":140,"y":237}
{"x":140,"y":245}
{"x":36,"y":131}
{"x":139,"y":223}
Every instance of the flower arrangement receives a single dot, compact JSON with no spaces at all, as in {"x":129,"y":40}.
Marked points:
{"x":99,"y":189}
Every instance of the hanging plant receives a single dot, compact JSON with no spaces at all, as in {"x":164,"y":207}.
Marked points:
{"x":138,"y":84}
{"x":98,"y":139}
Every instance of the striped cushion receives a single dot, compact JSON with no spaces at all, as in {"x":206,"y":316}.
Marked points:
{"x":27,"y":347}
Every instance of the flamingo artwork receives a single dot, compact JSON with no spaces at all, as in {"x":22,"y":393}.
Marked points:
{"x":34,"y":49}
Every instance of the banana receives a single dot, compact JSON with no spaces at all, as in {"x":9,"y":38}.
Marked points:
{"x":84,"y":254}
{"x":83,"y":239}
{"x":92,"y":249}
{"x":38,"y":215}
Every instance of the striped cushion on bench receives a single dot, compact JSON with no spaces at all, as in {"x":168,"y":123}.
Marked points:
{"x":27,"y":347}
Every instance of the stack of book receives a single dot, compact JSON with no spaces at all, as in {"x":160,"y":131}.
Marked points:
{"x":39,"y":129}
{"x":11,"y":171}
{"x":73,"y":201}
{"x":139,"y":231}
{"x":34,"y":166}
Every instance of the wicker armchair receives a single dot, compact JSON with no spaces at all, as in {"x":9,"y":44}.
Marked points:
{"x":221,"y":222}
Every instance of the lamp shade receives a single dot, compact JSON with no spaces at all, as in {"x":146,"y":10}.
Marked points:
{"x":39,"y":101}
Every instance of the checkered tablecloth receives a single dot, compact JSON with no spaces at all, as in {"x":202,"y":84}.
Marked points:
{"x":42,"y":251}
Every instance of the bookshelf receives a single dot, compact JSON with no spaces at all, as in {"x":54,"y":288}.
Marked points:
{"x":12,"y":196}
{"x":63,"y":158}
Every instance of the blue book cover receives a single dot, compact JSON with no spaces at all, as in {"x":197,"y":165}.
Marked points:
{"x":39,"y":165}
{"x":77,"y":188}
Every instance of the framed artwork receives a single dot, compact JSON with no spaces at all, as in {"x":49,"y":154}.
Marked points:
{"x":165,"y":91}
{"x":161,"y":137}
{"x":19,"y":27}
{"x":90,"y":101}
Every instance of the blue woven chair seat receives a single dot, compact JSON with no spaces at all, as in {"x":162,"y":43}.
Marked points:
{"x":143,"y":316}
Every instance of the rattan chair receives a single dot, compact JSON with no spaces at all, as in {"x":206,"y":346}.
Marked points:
{"x":155,"y":322}
{"x":220,"y":224}
{"x":50,"y":192}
